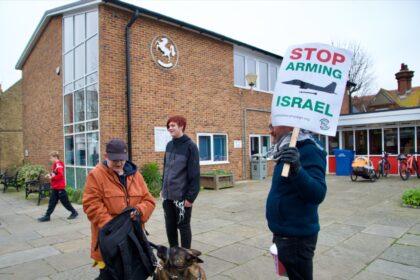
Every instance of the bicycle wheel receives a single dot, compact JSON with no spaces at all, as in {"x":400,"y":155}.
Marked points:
{"x":404,"y":170}
{"x":387,"y":168}
{"x":416,"y":168}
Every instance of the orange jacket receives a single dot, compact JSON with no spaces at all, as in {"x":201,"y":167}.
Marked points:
{"x":104,"y":197}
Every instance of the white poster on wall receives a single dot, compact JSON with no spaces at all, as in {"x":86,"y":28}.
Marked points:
{"x":162,"y":137}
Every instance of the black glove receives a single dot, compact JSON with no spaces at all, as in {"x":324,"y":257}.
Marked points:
{"x":291,"y":155}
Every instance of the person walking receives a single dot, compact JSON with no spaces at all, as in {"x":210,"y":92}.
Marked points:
{"x":58,"y":186}
{"x":292,"y":203}
{"x":181,"y":182}
{"x":110,"y":187}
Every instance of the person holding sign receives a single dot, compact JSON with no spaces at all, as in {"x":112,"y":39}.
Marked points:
{"x":292,"y":203}
{"x":307,"y":97}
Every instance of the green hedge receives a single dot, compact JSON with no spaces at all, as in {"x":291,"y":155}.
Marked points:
{"x":153,"y":178}
{"x":411,"y":197}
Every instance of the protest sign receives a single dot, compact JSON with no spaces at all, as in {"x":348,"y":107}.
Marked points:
{"x":310,"y":88}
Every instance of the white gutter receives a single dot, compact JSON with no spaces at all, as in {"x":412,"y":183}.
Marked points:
{"x":390,"y":116}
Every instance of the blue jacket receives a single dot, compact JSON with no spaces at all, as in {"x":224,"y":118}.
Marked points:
{"x":292,"y":203}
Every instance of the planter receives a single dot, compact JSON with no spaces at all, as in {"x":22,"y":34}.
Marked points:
{"x":216,"y":181}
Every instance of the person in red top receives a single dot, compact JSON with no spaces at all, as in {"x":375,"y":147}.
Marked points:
{"x":58,"y":185}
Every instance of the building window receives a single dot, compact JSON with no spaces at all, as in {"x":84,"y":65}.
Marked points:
{"x":239,"y":64}
{"x":212,"y":148}
{"x":332,"y":143}
{"x":361,"y":142}
{"x":407,"y":140}
{"x":375,"y":142}
{"x":81,"y":96}
{"x":259,"y":144}
{"x":265,"y":70}
{"x":273,"y":77}
{"x":391,"y":140}
{"x":348,"y":140}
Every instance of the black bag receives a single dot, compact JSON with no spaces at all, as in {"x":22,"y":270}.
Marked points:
{"x":125,"y":249}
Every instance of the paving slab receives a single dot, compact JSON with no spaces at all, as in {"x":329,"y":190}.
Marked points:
{"x":393,"y":269}
{"x":415,"y":229}
{"x":86,"y":272}
{"x":217,"y":238}
{"x":403,"y":254}
{"x":36,"y":269}
{"x":410,"y":239}
{"x":368,"y":275}
{"x":237,"y":253}
{"x":213,"y":266}
{"x":69,"y":261}
{"x":384,"y":230}
{"x":25,"y":256}
{"x":260,"y":268}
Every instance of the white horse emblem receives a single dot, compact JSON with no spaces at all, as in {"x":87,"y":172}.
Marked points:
{"x":167,"y":50}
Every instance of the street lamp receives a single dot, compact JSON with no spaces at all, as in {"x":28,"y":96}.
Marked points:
{"x":251,"y":79}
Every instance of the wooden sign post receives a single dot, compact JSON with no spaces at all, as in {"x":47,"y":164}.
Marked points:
{"x":293,"y":140}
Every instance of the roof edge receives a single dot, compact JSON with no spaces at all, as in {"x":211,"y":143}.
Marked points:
{"x":83,"y":3}
{"x":43,"y":23}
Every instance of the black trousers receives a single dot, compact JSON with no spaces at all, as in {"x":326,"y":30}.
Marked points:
{"x":175,"y":221}
{"x":57,"y":195}
{"x":296,"y":254}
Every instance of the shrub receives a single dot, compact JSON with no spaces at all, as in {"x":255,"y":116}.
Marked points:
{"x":75,"y":195}
{"x":411,"y":197}
{"x":29,"y":172}
{"x":215,"y":172}
{"x":153,"y":178}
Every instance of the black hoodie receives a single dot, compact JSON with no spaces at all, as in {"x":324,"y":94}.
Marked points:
{"x":181,"y":170}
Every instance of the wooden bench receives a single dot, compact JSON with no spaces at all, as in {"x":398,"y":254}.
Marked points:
{"x":9,"y":179}
{"x":41,"y":186}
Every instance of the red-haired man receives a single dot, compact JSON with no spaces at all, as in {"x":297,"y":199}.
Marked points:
{"x":181,"y":182}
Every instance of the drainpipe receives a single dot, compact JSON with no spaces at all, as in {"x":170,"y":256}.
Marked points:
{"x":245,"y":142}
{"x":128,"y":79}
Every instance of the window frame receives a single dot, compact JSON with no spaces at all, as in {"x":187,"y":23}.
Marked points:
{"x":72,"y":87}
{"x":212,"y":161}
{"x":260,"y":136}
{"x":271,"y":62}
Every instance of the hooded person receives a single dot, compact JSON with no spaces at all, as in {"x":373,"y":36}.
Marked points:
{"x":113,"y":185}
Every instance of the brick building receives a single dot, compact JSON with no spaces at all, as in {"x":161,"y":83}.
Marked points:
{"x":78,"y":91}
{"x":11,"y":139}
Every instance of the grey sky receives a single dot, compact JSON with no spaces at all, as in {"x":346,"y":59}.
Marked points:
{"x":385,"y":29}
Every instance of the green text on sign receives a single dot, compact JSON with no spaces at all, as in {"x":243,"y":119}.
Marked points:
{"x":306,"y":104}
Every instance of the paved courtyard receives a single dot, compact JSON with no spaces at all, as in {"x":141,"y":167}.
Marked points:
{"x":365,"y":234}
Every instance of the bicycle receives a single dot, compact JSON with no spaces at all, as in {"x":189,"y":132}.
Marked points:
{"x":383,"y":166}
{"x":408,"y":164}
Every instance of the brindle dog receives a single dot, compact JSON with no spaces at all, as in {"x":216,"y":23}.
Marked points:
{"x":179,"y":263}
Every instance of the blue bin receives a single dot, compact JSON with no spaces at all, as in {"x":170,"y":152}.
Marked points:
{"x":343,"y":159}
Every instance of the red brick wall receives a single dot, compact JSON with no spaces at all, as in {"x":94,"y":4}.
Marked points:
{"x":200,"y":88}
{"x":42,"y":96}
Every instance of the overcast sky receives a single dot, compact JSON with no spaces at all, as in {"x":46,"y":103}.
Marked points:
{"x":385,"y":29}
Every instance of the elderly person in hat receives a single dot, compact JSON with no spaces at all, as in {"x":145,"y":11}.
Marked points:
{"x":111,"y":186}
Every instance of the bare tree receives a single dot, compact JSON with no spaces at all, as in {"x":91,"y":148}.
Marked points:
{"x":360,"y":73}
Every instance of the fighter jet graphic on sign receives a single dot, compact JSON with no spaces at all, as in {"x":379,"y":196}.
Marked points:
{"x":304,"y":85}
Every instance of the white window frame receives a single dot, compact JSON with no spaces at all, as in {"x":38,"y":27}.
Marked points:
{"x":212,"y":161}
{"x":260,"y":141}
{"x":249,"y":55}
{"x":74,"y":166}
